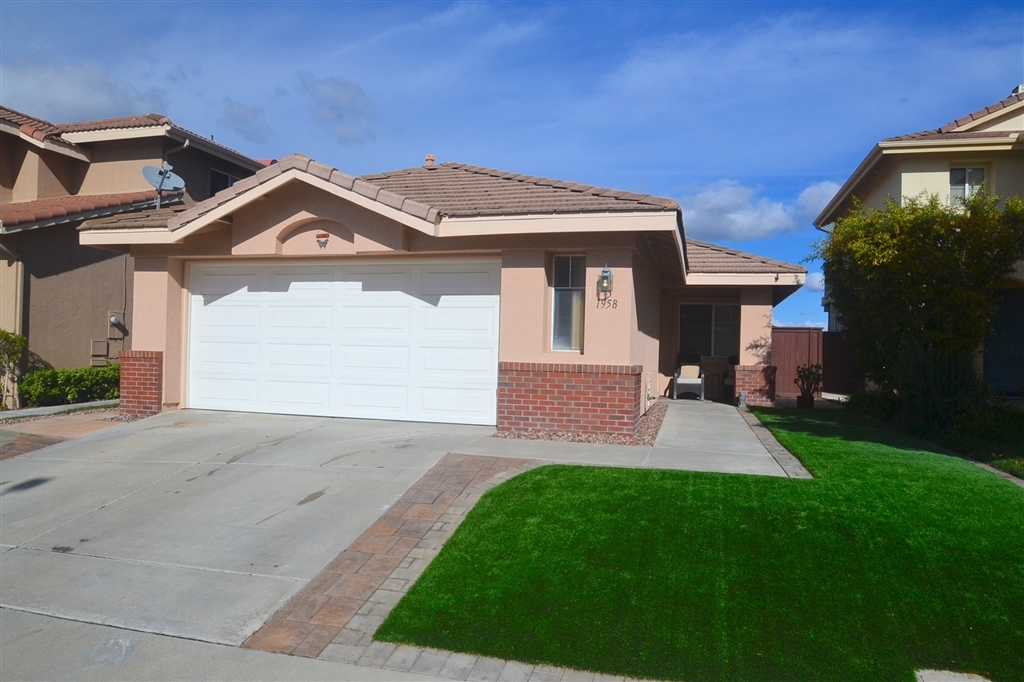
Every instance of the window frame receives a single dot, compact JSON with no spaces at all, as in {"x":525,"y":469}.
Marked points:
{"x":966,"y":188}
{"x":231,"y":180}
{"x":714,"y":323}
{"x":583,"y":304}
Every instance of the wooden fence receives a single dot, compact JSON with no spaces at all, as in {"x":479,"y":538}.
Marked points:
{"x":791,"y":348}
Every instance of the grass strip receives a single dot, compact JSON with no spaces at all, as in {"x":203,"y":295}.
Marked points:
{"x":893,"y":559}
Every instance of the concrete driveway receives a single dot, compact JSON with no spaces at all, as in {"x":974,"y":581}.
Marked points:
{"x":199,"y":524}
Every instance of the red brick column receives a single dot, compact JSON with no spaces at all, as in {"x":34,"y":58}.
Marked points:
{"x":759,"y":383}
{"x":142,"y":382}
{"x":556,"y":397}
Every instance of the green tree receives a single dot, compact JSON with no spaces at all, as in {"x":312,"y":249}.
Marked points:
{"x":914,"y":286}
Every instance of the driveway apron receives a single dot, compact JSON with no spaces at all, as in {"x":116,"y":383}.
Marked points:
{"x":199,"y":524}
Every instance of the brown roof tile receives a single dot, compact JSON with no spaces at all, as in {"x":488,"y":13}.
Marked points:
{"x":153,"y":218}
{"x":702,"y":257}
{"x":30,"y":125}
{"x":461,"y":190}
{"x":21,"y":213}
{"x":145,"y":121}
{"x":948,"y":131}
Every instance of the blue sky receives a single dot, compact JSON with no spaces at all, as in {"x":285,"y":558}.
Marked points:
{"x":750,"y":114}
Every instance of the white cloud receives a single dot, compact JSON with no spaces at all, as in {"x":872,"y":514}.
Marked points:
{"x":813,"y":199}
{"x":728,"y":210}
{"x":815,"y":282}
{"x":247,"y":121}
{"x":342,"y":107}
{"x":74,"y":92}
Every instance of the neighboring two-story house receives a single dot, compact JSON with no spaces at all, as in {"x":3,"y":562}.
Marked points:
{"x":74,"y":302}
{"x":981,"y":150}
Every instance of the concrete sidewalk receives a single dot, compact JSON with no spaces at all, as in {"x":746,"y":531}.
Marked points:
{"x":695,"y":436}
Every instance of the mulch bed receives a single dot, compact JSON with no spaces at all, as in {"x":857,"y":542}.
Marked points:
{"x":646,"y":433}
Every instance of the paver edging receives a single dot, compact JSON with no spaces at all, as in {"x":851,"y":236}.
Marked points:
{"x":789,"y":462}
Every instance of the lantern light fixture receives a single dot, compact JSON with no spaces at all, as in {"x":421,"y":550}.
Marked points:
{"x":604,"y":282}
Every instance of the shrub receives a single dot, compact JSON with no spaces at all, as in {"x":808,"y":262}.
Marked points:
{"x":11,"y":348}
{"x":67,"y":386}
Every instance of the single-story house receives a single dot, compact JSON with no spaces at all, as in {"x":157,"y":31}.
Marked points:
{"x":439,"y":293}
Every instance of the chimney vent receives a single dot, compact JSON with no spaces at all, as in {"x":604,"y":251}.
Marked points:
{"x":1019,"y":90}
{"x":430,"y":161}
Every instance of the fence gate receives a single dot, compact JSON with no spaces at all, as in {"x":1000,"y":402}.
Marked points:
{"x":791,"y":348}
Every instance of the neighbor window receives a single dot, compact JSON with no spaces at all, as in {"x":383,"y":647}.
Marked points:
{"x":708,"y":330}
{"x":964,"y":183}
{"x":219,"y":181}
{"x":570,"y":274}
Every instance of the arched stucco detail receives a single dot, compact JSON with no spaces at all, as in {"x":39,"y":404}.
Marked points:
{"x":315,"y":236}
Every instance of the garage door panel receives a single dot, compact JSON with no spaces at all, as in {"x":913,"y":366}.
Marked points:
{"x":243,"y":356}
{"x":374,"y":358}
{"x":468,"y":320}
{"x":227,"y":393}
{"x":457,"y":362}
{"x":291,"y":320}
{"x":383,"y":319}
{"x":227,"y":319}
{"x":409,"y":340}
{"x":454,"y":282}
{"x":309,"y":282}
{"x":298,"y":397}
{"x":446,"y":403}
{"x":360,"y":399}
{"x":299,"y":356}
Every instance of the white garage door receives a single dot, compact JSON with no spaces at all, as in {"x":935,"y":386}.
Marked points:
{"x":414,"y":341}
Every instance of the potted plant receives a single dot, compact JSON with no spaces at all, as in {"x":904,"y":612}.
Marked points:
{"x":808,"y":378}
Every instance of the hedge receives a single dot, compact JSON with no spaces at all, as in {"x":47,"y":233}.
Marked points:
{"x":67,"y":386}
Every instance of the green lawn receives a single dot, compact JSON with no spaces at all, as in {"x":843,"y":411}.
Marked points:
{"x":893,"y":559}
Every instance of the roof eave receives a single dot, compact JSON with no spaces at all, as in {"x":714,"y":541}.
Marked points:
{"x":49,"y":143}
{"x":827,"y":214}
{"x":210,"y":147}
{"x":87,"y":215}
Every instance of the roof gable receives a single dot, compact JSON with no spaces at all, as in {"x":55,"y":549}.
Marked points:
{"x":995,"y":120}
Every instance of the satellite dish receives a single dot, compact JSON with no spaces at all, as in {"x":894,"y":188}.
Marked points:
{"x":162,"y":178}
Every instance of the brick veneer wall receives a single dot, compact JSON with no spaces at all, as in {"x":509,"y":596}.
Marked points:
{"x":142,"y":382}
{"x":557,"y":397}
{"x":759,"y":383}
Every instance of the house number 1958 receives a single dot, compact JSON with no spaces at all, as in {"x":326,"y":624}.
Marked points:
{"x":608,"y":303}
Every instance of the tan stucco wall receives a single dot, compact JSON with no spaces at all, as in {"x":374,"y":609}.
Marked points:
{"x":68,"y":294}
{"x":930,"y":173}
{"x":159,"y":317}
{"x":11,"y":274}
{"x":117,"y":166}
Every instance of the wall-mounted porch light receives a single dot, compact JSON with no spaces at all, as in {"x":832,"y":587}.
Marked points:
{"x":604,"y":282}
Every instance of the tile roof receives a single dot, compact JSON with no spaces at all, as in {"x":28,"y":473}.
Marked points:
{"x":42,"y":130}
{"x":30,"y":125}
{"x":459,"y":190}
{"x":948,"y":131}
{"x":713,"y":259}
{"x":144,"y":121}
{"x":153,"y":218}
{"x":70,"y":208}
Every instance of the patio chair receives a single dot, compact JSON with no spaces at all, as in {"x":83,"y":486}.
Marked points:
{"x":688,"y":379}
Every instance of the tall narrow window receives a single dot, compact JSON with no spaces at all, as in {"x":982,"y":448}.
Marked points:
{"x":570,"y":274}
{"x":964,"y":183}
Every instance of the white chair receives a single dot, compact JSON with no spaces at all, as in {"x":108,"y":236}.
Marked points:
{"x":688,"y":379}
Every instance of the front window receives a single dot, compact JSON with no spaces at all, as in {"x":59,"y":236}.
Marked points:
{"x":708,"y":330}
{"x":964,"y":183}
{"x":570,"y":274}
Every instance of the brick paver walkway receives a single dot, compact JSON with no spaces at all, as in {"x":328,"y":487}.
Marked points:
{"x":336,"y":614}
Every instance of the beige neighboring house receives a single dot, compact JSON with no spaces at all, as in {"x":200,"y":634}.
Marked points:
{"x":439,"y":293}
{"x":982,"y":149}
{"x":58,"y":293}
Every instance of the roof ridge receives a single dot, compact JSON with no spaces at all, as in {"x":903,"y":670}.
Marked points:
{"x":952,"y":126}
{"x":563,"y":185}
